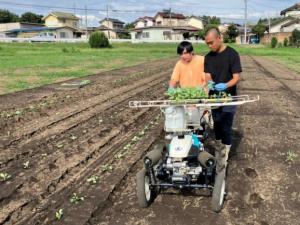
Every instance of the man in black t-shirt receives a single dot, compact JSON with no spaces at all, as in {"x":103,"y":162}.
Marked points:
{"x":223,"y":67}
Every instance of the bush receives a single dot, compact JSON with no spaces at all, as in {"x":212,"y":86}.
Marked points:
{"x":280,"y":45}
{"x":274,"y":42}
{"x":98,"y":40}
{"x":285,"y":42}
{"x":296,"y":38}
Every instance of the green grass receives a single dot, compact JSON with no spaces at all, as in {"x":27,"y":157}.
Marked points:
{"x":26,"y":65}
{"x":287,"y":56}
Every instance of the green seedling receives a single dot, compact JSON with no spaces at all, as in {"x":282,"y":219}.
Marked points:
{"x":119,"y":156}
{"x":73,"y":137}
{"x":135,"y":139}
{"x":142,"y":133}
{"x":5,"y":176}
{"x":290,"y":156}
{"x":32,"y":107}
{"x":60,"y":145}
{"x":59,"y":214}
{"x":107,"y":167}
{"x":84,"y":82}
{"x":75,"y":199}
{"x":186,"y":93}
{"x":127,"y":147}
{"x":18,"y":112}
{"x":26,"y":165}
{"x":93,"y":179}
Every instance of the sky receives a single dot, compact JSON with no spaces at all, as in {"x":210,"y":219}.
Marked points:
{"x":129,"y":10}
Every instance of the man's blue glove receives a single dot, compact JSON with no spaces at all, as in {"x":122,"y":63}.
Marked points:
{"x":211,"y":85}
{"x":221,"y":87}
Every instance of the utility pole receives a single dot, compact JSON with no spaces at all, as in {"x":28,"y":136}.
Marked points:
{"x":269,"y":21}
{"x":245,"y":32}
{"x":74,"y":5}
{"x":107,"y":22}
{"x":170,"y":17}
{"x":86,"y":27}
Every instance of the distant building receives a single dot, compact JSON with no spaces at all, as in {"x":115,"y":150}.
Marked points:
{"x":61,"y":19}
{"x":167,"y":18}
{"x":166,"y":26}
{"x":293,"y":11}
{"x":145,"y":21}
{"x":112,"y":28}
{"x":4,"y":27}
{"x":42,"y":32}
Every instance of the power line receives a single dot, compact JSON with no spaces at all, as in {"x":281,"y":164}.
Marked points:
{"x":71,"y":9}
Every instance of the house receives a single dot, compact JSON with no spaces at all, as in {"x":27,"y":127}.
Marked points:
{"x":41,"y":32}
{"x":18,"y":25}
{"x":160,"y":33}
{"x":195,"y":21}
{"x":145,"y":21}
{"x":112,"y":28}
{"x":290,"y":26}
{"x":61,"y":19}
{"x":166,"y":26}
{"x":166,"y":18}
{"x":293,"y":11}
{"x":277,"y":25}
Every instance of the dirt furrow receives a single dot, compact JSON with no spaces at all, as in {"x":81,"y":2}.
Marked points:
{"x":97,"y":196}
{"x":65,"y":113}
{"x":62,"y":183}
{"x":73,"y":121}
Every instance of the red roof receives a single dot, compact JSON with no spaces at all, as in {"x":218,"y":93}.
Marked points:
{"x":172,"y":15}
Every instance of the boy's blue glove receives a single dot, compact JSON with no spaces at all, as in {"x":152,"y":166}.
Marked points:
{"x":221,"y":87}
{"x":170,"y":90}
{"x":211,"y":85}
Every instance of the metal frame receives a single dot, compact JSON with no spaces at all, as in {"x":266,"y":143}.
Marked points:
{"x":203,"y":103}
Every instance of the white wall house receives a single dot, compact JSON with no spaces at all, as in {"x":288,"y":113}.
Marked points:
{"x":289,"y":27}
{"x":276,"y":26}
{"x":293,"y":11}
{"x":144,"y":22}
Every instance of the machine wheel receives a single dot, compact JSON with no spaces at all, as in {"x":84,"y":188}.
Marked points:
{"x":144,"y":194}
{"x":218,"y":194}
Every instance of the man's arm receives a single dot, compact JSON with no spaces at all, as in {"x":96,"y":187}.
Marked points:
{"x":234,"y":80}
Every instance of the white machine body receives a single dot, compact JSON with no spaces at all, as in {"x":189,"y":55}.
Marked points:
{"x":180,"y":147}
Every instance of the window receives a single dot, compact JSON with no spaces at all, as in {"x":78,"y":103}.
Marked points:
{"x":62,"y":34}
{"x":74,"y":24}
{"x":145,"y":35}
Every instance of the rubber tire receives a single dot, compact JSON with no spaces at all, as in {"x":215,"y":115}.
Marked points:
{"x":140,"y":189}
{"x":217,"y":191}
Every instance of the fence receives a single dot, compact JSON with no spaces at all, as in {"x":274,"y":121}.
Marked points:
{"x":83,"y":40}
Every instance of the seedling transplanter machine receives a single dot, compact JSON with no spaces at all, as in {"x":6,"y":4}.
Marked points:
{"x":184,"y":162}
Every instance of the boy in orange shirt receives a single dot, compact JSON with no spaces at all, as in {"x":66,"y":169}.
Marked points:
{"x":189,"y":70}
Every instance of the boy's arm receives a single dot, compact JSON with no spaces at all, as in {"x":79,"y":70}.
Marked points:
{"x":175,"y":77}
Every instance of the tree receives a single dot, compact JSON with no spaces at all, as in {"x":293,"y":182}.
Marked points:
{"x":231,"y":33}
{"x":31,"y":18}
{"x":98,"y":40}
{"x":7,"y":16}
{"x":274,"y":42}
{"x":285,"y":42}
{"x":211,"y":20}
{"x":129,"y":26}
{"x":259,"y":29}
{"x":296,"y":38}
